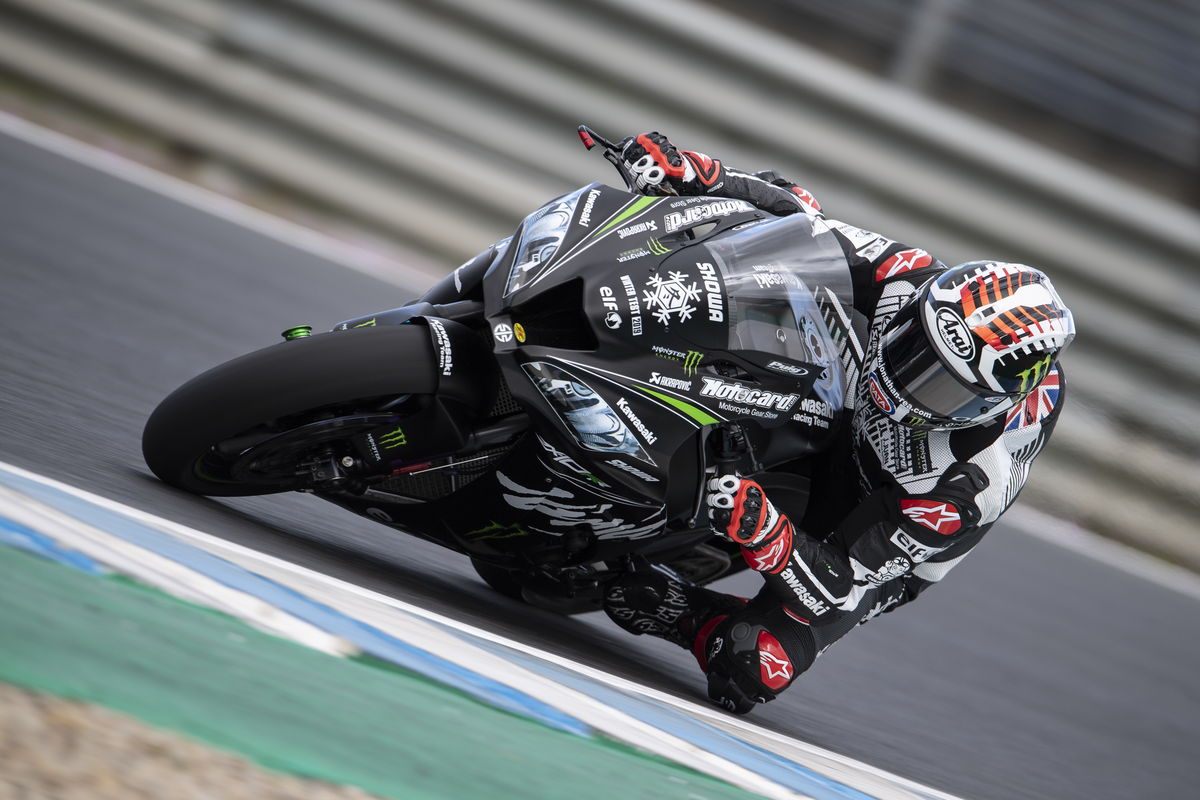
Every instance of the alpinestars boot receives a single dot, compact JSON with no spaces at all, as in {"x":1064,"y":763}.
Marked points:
{"x":657,"y":602}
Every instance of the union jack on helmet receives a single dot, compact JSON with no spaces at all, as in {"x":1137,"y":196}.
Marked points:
{"x":974,"y":342}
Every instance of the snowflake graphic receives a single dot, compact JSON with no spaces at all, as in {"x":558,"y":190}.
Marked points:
{"x":672,"y":296}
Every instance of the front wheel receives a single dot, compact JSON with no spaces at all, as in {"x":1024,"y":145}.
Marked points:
{"x":261,"y":423}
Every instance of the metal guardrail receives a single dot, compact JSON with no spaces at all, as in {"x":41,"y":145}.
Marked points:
{"x":444,"y":122}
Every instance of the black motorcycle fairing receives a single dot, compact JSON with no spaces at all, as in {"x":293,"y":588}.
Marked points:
{"x":633,"y":323}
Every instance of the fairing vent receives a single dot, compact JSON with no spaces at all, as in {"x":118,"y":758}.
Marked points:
{"x":444,"y":476}
{"x":555,"y":318}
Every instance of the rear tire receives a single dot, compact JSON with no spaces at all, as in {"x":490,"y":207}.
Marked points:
{"x":275,"y":388}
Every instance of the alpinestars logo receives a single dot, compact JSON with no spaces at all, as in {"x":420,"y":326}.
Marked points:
{"x":939,"y":517}
{"x":775,"y":670}
{"x":677,"y":294}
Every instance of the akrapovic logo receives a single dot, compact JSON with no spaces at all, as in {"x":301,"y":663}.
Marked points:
{"x":721,"y":390}
{"x":658,"y":379}
{"x":802,"y":594}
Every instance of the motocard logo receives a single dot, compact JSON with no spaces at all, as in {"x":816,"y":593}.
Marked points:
{"x":939,"y":517}
{"x":641,"y":227}
{"x":585,"y":216}
{"x":954,"y":333}
{"x":721,"y":390}
{"x":659,"y":379}
{"x":677,"y":220}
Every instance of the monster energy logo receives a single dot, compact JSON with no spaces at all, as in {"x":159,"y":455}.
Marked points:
{"x":657,"y":247}
{"x":692,"y":362}
{"x":1034,"y":375}
{"x":368,"y":324}
{"x":392,"y":440}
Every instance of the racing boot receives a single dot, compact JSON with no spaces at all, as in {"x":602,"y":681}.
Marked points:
{"x":655,"y":600}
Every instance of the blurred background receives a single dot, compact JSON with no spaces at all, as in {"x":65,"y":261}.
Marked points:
{"x":1062,"y":133}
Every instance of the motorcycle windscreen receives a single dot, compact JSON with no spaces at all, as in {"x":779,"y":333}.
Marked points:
{"x":788,"y":291}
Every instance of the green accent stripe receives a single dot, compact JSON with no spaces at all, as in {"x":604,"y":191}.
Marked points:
{"x":696,"y":413}
{"x":636,"y":207}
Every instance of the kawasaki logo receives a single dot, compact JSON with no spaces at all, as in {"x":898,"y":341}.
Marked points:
{"x":637,"y":423}
{"x":802,"y":594}
{"x":585,"y":216}
{"x":714,"y":387}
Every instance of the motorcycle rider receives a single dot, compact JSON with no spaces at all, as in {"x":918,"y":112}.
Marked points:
{"x":952,"y":390}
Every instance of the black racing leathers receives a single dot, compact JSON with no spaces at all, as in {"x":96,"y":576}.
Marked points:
{"x":895,"y":507}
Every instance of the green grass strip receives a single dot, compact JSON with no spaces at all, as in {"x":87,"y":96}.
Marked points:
{"x":296,"y":710}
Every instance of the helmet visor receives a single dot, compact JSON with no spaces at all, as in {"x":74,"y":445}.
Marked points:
{"x":912,"y":371}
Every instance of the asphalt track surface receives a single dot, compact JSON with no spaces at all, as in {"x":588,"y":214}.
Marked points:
{"x":1031,"y":672}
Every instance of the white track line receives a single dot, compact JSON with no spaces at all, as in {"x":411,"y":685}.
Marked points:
{"x":292,"y":234}
{"x":164,"y":574}
{"x":842,"y":764}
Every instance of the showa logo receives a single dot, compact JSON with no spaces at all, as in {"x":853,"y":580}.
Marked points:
{"x":712,"y":288}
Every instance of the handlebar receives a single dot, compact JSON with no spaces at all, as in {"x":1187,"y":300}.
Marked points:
{"x":612,"y":152}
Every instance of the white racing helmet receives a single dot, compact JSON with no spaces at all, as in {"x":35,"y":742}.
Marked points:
{"x":970,"y":345}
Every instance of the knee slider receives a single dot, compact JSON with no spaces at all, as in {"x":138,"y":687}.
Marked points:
{"x":746,"y":664}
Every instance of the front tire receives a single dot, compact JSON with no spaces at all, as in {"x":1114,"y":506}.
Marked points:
{"x":276,"y":389}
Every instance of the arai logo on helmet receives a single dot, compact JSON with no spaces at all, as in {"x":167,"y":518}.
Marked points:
{"x":955,"y":334}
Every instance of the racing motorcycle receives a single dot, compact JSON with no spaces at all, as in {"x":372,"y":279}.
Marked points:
{"x":552,"y":408}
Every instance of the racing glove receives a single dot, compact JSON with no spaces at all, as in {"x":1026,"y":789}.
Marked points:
{"x":658,"y":168}
{"x":738,"y":510}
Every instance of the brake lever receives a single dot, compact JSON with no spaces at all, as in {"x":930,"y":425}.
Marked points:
{"x":729,"y":448}
{"x":612,"y":152}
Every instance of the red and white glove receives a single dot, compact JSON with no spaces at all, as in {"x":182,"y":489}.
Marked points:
{"x":658,"y":168}
{"x":739,"y":510}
